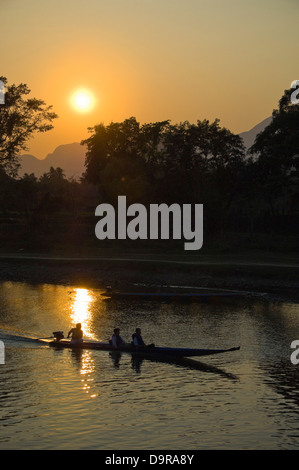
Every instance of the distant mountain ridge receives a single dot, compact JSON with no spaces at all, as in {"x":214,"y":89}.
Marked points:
{"x":71,"y":157}
{"x":249,"y":136}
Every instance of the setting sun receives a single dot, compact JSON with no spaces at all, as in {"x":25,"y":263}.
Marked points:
{"x":82,"y":100}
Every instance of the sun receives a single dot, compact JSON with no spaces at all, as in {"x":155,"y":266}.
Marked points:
{"x":82,"y":100}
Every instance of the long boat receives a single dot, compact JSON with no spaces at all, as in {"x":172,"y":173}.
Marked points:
{"x":146,"y":351}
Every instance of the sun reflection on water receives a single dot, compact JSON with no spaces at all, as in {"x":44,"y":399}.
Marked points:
{"x":87,"y":373}
{"x":81,"y":312}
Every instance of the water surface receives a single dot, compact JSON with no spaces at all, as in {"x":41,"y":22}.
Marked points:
{"x":63,"y":399}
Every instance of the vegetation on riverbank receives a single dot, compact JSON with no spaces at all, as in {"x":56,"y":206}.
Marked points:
{"x":250,"y":200}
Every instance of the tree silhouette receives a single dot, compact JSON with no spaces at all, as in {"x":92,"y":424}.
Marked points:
{"x":276,"y":151}
{"x":161,"y":161}
{"x":278,"y":144}
{"x":120,"y":156}
{"x":20,"y":118}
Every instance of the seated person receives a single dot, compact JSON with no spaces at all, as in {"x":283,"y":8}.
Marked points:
{"x":77,"y":335}
{"x":138,"y":340}
{"x":116,"y":340}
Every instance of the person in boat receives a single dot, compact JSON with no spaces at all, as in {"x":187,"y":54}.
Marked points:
{"x":138,"y":340}
{"x":116,"y":340}
{"x":76,"y":334}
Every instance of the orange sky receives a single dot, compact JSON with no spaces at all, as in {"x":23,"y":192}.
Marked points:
{"x":152,"y":59}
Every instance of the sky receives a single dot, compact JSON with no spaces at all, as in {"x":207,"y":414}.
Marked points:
{"x":181,"y":60}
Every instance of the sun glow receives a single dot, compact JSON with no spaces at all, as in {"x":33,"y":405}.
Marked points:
{"x":82,"y":100}
{"x":81,"y":310}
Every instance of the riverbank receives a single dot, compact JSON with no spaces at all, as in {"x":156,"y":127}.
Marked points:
{"x":276,"y":277}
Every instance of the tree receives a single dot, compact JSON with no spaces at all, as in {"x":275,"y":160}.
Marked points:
{"x":120,"y":156}
{"x":163,"y":162}
{"x":28,"y":187}
{"x":200,"y":163}
{"x":53,"y":186}
{"x":8,"y":194}
{"x":276,"y":151}
{"x":54,"y":179}
{"x":20,"y":118}
{"x":277,"y":146}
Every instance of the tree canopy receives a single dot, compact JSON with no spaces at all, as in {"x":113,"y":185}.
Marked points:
{"x":20,"y":118}
{"x":276,"y":157}
{"x":245,"y":197}
{"x":160,"y":160}
{"x":278,"y":144}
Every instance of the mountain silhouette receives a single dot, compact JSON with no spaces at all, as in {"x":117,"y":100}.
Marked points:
{"x":249,"y":136}
{"x":71,"y":157}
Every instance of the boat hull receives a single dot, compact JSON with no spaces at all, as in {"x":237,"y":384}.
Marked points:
{"x":150,"y":351}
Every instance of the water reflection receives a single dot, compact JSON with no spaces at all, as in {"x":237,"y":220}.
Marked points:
{"x":81,"y":310}
{"x":283,"y":376}
{"x":115,"y":356}
{"x":84,"y":362}
{"x":255,"y":408}
{"x":192,"y":364}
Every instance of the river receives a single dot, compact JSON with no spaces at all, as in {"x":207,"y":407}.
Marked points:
{"x":63,"y":399}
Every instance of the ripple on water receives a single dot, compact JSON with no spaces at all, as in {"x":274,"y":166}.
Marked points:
{"x":59,"y":399}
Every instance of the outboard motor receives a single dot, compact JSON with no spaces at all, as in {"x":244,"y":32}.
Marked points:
{"x":58,"y":335}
